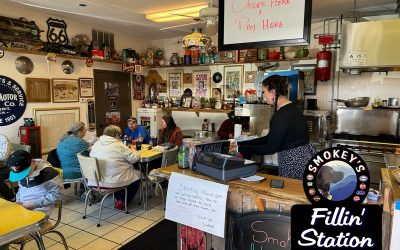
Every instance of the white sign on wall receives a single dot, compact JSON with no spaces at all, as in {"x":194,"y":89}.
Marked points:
{"x":256,"y":24}
{"x":197,"y":203}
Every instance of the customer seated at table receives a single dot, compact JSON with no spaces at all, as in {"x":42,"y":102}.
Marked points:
{"x":68,"y":148}
{"x":227,"y":127}
{"x":116,"y":165}
{"x":5,"y":150}
{"x":136,"y":130}
{"x":169,"y":132}
{"x":39,"y":183}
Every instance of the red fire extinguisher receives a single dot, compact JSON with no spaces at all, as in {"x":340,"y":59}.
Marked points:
{"x":323,"y":71}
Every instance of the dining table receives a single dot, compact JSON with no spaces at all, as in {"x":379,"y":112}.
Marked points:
{"x":17,"y":221}
{"x":147,"y":154}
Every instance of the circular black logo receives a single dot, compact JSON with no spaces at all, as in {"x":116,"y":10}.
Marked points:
{"x":12,"y":101}
{"x":335,"y":176}
{"x":217,"y":77}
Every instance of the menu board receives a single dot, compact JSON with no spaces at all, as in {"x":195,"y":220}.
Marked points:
{"x":197,"y":203}
{"x":247,"y":24}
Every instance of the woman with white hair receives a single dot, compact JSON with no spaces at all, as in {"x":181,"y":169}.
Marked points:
{"x":116,"y":165}
{"x":68,"y":148}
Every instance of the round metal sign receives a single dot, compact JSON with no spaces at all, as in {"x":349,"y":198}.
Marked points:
{"x":12,"y":101}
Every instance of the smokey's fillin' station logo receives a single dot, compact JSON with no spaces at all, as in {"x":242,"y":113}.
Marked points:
{"x":336,"y":176}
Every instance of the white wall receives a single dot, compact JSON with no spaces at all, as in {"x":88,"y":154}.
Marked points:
{"x":350,"y":86}
{"x":41,"y":69}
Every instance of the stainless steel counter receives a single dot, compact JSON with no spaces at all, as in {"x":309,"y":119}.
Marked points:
{"x":189,"y":133}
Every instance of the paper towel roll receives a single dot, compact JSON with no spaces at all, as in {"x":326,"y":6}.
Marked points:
{"x":238,"y":130}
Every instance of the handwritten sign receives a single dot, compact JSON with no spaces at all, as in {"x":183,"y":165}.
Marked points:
{"x":246,"y":24}
{"x":12,"y":101}
{"x":257,"y":230}
{"x":197,"y":203}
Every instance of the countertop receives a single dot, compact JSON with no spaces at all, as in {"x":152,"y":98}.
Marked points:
{"x":189,"y":133}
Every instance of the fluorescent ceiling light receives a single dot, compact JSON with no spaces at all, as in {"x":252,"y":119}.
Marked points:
{"x":176,"y":14}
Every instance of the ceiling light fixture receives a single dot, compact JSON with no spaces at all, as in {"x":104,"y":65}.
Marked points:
{"x":175,"y":14}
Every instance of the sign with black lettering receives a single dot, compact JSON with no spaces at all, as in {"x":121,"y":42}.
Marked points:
{"x":336,"y":227}
{"x":336,"y":176}
{"x":91,"y":116}
{"x":256,"y":231}
{"x":336,"y":181}
{"x":12,"y":101}
{"x":57,"y":31}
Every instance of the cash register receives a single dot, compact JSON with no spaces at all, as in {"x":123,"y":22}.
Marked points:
{"x":224,"y":167}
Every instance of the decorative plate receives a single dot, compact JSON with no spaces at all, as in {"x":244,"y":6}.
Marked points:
{"x":217,"y":77}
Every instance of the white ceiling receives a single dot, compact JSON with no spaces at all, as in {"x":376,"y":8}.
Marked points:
{"x":129,"y":15}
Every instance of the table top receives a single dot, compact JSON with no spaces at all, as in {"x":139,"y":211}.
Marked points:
{"x":146,"y":154}
{"x":17,"y":221}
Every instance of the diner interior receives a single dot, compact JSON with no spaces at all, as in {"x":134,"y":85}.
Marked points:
{"x":126,"y":83}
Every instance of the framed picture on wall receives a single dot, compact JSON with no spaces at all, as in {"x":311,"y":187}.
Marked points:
{"x":310,"y":82}
{"x":201,"y":80}
{"x":38,"y":89}
{"x":187,"y":79}
{"x":175,"y":83}
{"x":65,"y":90}
{"x":233,"y":76}
{"x":86,"y":87}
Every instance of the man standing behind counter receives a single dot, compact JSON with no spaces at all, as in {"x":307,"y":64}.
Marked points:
{"x":136,"y":130}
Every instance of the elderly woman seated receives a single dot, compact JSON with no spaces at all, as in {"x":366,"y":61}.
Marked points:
{"x":116,"y":164}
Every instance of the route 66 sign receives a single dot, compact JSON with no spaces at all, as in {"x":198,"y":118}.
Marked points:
{"x":57,"y":31}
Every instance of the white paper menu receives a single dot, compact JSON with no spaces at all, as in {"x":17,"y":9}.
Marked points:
{"x":197,"y":203}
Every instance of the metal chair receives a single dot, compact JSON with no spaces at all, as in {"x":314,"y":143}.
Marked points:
{"x":91,"y":171}
{"x":47,"y":228}
{"x":169,"y":157}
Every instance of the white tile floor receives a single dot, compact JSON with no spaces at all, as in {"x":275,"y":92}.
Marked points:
{"x":117,"y":228}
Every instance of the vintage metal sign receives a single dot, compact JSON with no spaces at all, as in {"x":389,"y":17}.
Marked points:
{"x":57,"y":31}
{"x":12,"y":101}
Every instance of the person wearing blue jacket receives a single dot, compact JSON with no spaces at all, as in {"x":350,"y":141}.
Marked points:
{"x":136,"y":130}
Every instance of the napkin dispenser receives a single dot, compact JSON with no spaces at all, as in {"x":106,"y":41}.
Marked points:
{"x":224,"y":167}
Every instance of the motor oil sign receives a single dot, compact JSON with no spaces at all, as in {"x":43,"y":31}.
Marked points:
{"x":12,"y":101}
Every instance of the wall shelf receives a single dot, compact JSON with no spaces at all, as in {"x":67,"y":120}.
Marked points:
{"x":226,"y":63}
{"x":197,"y":111}
{"x":34,"y":52}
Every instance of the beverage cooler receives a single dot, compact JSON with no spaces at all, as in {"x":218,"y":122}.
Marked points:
{"x":150,"y":119}
{"x":296,"y":85}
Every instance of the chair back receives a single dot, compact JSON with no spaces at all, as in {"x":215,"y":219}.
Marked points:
{"x":169,"y":157}
{"x":89,"y":168}
{"x":23,"y":147}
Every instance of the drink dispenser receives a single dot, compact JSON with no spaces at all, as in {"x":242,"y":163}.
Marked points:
{"x":254,"y":117}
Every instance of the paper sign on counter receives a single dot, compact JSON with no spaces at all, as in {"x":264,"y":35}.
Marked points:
{"x":197,"y":203}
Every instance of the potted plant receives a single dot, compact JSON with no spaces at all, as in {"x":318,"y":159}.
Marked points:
{"x":213,"y":102}
{"x":203,"y":102}
{"x":207,"y":104}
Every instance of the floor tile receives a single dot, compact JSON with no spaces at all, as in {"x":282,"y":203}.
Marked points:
{"x":70,"y":217}
{"x":66,"y":231}
{"x":120,"y":218}
{"x":138,"y":224}
{"x":153,"y":214}
{"x":106,"y":212}
{"x":31,"y":245}
{"x":74,"y":205}
{"x":104,"y":228}
{"x":59,"y":246}
{"x":119,"y":235}
{"x":81,"y":239}
{"x":89,"y":209}
{"x":83,"y":224}
{"x":100,"y":244}
{"x":136,"y":211}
